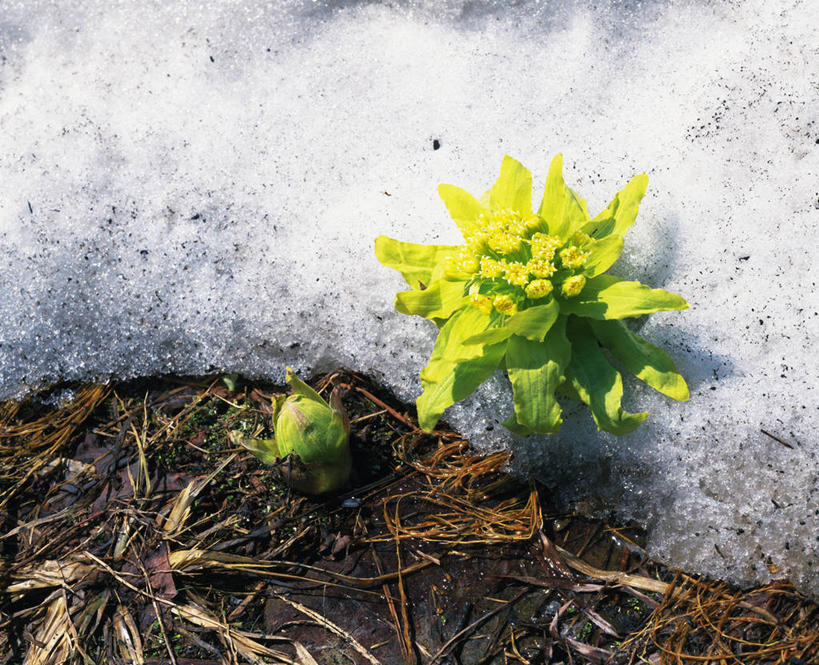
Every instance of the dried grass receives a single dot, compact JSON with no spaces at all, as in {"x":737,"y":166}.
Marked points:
{"x":123,"y":555}
{"x":704,"y":622}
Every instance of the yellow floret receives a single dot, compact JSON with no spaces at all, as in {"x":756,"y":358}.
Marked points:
{"x":506,"y":218}
{"x":490,"y":268}
{"x":539,"y":288}
{"x":513,"y":222}
{"x":488,"y":226}
{"x":468,"y":263}
{"x":573,"y":286}
{"x":545,"y":240}
{"x":516,"y":273}
{"x":476,"y":242}
{"x":462,"y":262}
{"x":496,"y":240}
{"x":493,"y":227}
{"x":541,"y":268}
{"x":514,"y":243}
{"x":482,"y":303}
{"x":572,"y":257}
{"x":504,"y":243}
{"x":543,"y":253}
{"x":533,"y":223}
{"x":505,"y":305}
{"x":544,"y":246}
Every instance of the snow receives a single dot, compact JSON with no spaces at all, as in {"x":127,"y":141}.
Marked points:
{"x":195,"y":187}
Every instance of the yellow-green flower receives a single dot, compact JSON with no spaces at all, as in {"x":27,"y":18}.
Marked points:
{"x":539,"y":288}
{"x":505,"y":305}
{"x":490,"y":268}
{"x":572,"y":258}
{"x":573,"y":286}
{"x":477,"y":242}
{"x":516,"y":273}
{"x":545,"y":242}
{"x":527,"y":292}
{"x":504,"y":243}
{"x":468,"y":262}
{"x":482,"y":303}
{"x":541,"y":268}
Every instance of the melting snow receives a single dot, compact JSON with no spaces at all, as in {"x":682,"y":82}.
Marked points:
{"x":195,"y":187}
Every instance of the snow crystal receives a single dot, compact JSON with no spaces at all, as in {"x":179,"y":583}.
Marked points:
{"x":195,"y":187}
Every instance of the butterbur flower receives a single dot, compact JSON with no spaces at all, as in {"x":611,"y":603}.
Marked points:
{"x":573,"y":286}
{"x":528,"y":294}
{"x":481,"y":303}
{"x":539,"y":288}
{"x":572,"y":258}
{"x":311,"y":439}
{"x":504,"y":304}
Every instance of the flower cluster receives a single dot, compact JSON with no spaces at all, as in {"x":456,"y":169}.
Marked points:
{"x":526,"y":292}
{"x":512,"y":261}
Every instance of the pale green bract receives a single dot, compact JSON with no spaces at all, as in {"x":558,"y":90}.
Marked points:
{"x":312,"y":439}
{"x":527,"y":293}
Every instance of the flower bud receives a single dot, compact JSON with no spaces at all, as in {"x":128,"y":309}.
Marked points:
{"x":312,"y":439}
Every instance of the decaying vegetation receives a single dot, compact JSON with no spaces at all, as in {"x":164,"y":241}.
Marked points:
{"x":133,"y":532}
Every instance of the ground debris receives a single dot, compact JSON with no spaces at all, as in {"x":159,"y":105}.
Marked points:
{"x":132,"y":532}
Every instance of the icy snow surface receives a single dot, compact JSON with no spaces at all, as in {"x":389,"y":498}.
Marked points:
{"x":195,"y":187}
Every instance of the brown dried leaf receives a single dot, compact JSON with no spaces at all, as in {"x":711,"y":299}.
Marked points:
{"x":127,"y":636}
{"x":53,"y":574}
{"x":237,"y":640}
{"x":160,"y":576}
{"x":51,"y":644}
{"x":303,"y":655}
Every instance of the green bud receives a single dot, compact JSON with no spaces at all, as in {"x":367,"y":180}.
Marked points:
{"x":312,"y":439}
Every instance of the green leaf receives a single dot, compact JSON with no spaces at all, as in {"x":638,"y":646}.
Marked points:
{"x":602,"y":254}
{"x":489,"y":336}
{"x":299,"y":387}
{"x":415,"y":262}
{"x":449,"y":346}
{"x":462,"y":206}
{"x":267,"y":450}
{"x":647,"y":362}
{"x":628,"y":203}
{"x":230,"y":381}
{"x":456,"y":369}
{"x":515,"y":427}
{"x":601,"y":226}
{"x":513,"y":188}
{"x":438,"y":301}
{"x":535,"y":370}
{"x":533,"y":323}
{"x":597,"y":383}
{"x":620,"y":214}
{"x":566,"y":388}
{"x":564,"y":211}
{"x":609,"y":297}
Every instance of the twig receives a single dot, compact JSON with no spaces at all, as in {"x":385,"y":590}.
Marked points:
{"x":472,"y":626}
{"x":777,"y":439}
{"x":332,"y":627}
{"x":406,"y":633}
{"x":152,"y":596}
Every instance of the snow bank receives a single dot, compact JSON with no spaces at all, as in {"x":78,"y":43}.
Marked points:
{"x":194,"y":187}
